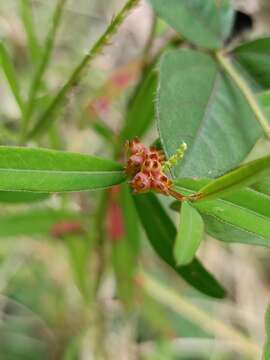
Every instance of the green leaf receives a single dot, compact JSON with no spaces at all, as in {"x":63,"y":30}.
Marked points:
{"x":254,"y":57}
{"x":10,"y":74}
{"x":242,"y":217}
{"x":245,"y":175}
{"x":41,"y":170}
{"x":161,"y":233}
{"x":264,"y":99}
{"x":29,"y":26}
{"x":44,"y":59}
{"x":195,"y":100}
{"x":263,"y":186}
{"x":189,"y":235}
{"x":205,"y":23}
{"x":126,"y":249}
{"x":21,"y":197}
{"x":34,"y":222}
{"x":49,"y":115}
{"x":266,"y":353}
{"x":141,"y":111}
{"x":79,"y":250}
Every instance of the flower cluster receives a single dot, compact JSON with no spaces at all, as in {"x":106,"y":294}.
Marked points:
{"x":144,"y":167}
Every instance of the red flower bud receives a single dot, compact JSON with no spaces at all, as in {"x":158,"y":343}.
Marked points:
{"x":141,"y":182}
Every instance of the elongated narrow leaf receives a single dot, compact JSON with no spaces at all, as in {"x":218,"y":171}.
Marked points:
{"x":29,"y":26}
{"x":44,"y":58}
{"x":41,"y":170}
{"x":195,"y":100}
{"x":263,"y":186}
{"x":34,"y":222}
{"x":205,"y":23}
{"x":242,"y":217}
{"x":189,"y":236}
{"x":10,"y":74}
{"x":79,"y":249}
{"x":17,"y":197}
{"x":266,"y":353}
{"x":264,"y":99}
{"x":245,"y":175}
{"x":161,"y":233}
{"x":254,"y":57}
{"x":142,"y":110}
{"x":126,"y":246}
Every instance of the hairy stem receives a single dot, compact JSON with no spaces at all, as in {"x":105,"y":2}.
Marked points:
{"x":246,"y":91}
{"x":47,"y":117}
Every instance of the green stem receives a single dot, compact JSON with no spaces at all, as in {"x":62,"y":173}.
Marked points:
{"x":47,"y":117}
{"x":246,"y":91}
{"x":185,"y":308}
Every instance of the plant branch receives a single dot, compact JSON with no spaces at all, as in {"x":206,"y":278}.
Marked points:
{"x":246,"y":91}
{"x":184,"y":307}
{"x":46,"y":118}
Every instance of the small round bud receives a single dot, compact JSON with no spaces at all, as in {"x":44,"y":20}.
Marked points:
{"x":141,"y":182}
{"x":136,"y":147}
{"x":151,"y":166}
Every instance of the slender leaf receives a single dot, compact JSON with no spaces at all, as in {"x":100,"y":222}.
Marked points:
{"x":34,"y":222}
{"x":126,"y":247}
{"x":189,"y":236}
{"x":44,"y":59}
{"x":161,"y":233}
{"x":266,"y":353}
{"x":142,"y":110}
{"x":29,"y":26}
{"x":79,"y":249}
{"x":195,"y":100}
{"x":263,"y":186}
{"x":245,"y":175}
{"x":21,"y":197}
{"x":264,"y":99}
{"x":10,"y":74}
{"x":254,"y":57}
{"x":242,"y":217}
{"x":104,"y":131}
{"x":41,"y":170}
{"x":204,"y":23}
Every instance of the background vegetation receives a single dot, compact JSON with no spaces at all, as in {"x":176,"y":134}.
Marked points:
{"x":82,"y":274}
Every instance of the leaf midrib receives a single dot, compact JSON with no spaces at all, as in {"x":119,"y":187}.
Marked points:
{"x":205,"y":116}
{"x":52,"y":171}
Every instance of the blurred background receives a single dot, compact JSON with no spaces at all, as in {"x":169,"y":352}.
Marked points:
{"x":50,"y":305}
